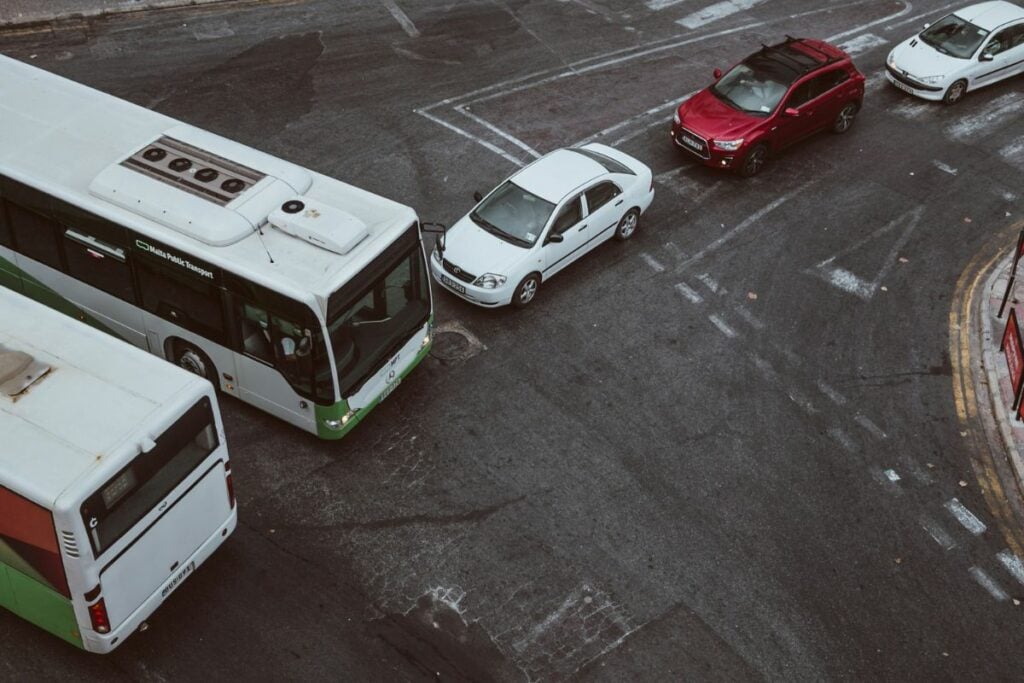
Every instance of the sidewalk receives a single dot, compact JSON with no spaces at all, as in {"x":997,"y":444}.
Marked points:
{"x":22,"y":12}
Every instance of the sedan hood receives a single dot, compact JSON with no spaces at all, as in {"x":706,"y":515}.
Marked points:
{"x":477,"y":251}
{"x":920,"y":59}
{"x":709,"y":117}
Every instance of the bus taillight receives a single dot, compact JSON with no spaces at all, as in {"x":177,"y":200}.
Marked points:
{"x":230,"y":483}
{"x":98,"y":616}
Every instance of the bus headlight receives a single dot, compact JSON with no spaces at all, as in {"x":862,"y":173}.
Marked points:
{"x":490,"y":281}
{"x":336,"y":425}
{"x":426,"y":341}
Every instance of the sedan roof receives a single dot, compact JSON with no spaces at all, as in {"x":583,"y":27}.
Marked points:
{"x":555,"y":175}
{"x":991,"y":15}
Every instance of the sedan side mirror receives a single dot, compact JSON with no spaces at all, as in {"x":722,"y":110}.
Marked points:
{"x":555,"y":238}
{"x":790,"y":111}
{"x":477,"y":196}
{"x":717,"y":73}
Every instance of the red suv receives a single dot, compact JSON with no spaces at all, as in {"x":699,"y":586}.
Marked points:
{"x":772,"y":99}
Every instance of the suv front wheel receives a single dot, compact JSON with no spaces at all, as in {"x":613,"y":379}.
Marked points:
{"x":754,"y":161}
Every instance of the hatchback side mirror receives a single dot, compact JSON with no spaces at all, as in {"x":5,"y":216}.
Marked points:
{"x":555,"y":238}
{"x":790,"y":111}
{"x":717,"y":73}
{"x":477,"y":196}
{"x":986,"y":57}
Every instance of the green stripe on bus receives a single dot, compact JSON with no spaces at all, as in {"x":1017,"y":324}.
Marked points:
{"x":13,"y":277}
{"x":38,"y":604}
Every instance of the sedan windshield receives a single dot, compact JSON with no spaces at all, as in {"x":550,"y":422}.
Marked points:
{"x":955,"y":37}
{"x":751,"y":89}
{"x":513,"y":214}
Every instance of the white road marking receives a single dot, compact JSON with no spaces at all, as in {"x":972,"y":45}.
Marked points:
{"x":466,"y":134}
{"x":865,"y":422}
{"x":998,"y":111}
{"x":652,"y":262}
{"x":832,"y":39}
{"x":751,"y":319}
{"x":1014,"y":152}
{"x":497,"y":131}
{"x":938,"y":534}
{"x":402,"y":18}
{"x":912,"y":108}
{"x":689,"y":293}
{"x":986,"y":582}
{"x":657,"y":5}
{"x":847,"y":281}
{"x":935,"y":13}
{"x":746,"y":223}
{"x":765,"y":367}
{"x":717,"y":11}
{"x":677,"y":253}
{"x":722,"y":326}
{"x":1012,"y":564}
{"x":965,"y":517}
{"x":892,"y":476}
{"x":862,"y":43}
{"x":920,"y":474}
{"x":667,"y":104}
{"x":945,"y":168}
{"x":827,"y":389}
{"x":798,"y":398}
{"x":843,"y":439}
{"x":709,"y":282}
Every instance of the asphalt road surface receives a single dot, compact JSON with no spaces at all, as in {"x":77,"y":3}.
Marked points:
{"x":727,"y":449}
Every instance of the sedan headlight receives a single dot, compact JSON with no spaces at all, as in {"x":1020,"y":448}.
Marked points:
{"x":728,"y":145}
{"x":490,"y":281}
{"x":931,"y":80}
{"x":676,"y":119}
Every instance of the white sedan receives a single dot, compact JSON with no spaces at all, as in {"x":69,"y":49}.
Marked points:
{"x":966,"y":50}
{"x":539,"y":221}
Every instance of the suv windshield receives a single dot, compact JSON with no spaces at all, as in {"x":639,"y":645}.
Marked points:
{"x":374,"y":315}
{"x":953,"y":36}
{"x":751,"y":88}
{"x":513,"y":214}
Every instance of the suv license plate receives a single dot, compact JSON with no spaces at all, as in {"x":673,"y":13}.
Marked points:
{"x":453,"y":284}
{"x":695,"y":145}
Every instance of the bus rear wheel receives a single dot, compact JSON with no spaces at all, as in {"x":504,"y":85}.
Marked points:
{"x":195,"y":361}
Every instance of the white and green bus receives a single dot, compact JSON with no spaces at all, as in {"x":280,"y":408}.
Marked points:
{"x":295,"y":292}
{"x":115,"y":483}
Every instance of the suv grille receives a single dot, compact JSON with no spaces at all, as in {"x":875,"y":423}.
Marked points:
{"x":693,"y":143}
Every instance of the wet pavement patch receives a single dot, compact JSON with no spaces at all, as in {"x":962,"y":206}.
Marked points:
{"x":453,"y":343}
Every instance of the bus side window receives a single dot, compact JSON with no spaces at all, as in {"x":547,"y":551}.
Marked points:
{"x":293,"y":347}
{"x":98,"y":263}
{"x":256,"y":341}
{"x":184,"y":299}
{"x":28,"y":542}
{"x":36,"y":235}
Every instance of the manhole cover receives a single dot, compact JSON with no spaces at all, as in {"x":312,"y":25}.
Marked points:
{"x":453,"y":343}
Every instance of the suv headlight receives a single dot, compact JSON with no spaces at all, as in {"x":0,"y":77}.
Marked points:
{"x":931,"y":80}
{"x":490,"y":281}
{"x":675,"y":117}
{"x":728,"y":145}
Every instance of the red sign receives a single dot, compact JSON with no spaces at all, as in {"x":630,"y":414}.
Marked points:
{"x":1013,"y":349}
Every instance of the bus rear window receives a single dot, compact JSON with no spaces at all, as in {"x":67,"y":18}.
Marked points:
{"x":126,"y":498}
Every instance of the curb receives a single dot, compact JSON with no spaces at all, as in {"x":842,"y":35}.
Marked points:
{"x":90,"y":9}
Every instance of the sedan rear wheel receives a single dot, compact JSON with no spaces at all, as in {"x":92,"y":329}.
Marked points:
{"x":955,"y":92}
{"x":627,"y":226}
{"x":754,"y":161}
{"x":844,"y":119}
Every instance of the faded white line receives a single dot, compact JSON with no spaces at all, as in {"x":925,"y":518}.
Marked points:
{"x":938,"y":534}
{"x":892,"y":475}
{"x":677,"y":253}
{"x":827,"y":389}
{"x":497,"y":131}
{"x":717,"y":11}
{"x":848,"y":282}
{"x":652,"y":262}
{"x":466,"y":134}
{"x":945,"y":168}
{"x":883,"y":479}
{"x":965,"y":517}
{"x":833,"y":38}
{"x":689,"y":293}
{"x":657,"y":5}
{"x":751,"y":319}
{"x":1013,"y":565}
{"x":746,"y":223}
{"x":843,"y":439}
{"x":667,"y":104}
{"x":708,"y":282}
{"x":994,"y":114}
{"x":856,"y":46}
{"x":937,"y":12}
{"x":865,"y":422}
{"x":722,"y":326}
{"x":798,"y":398}
{"x":402,"y":18}
{"x":986,"y":582}
{"x":1014,"y":152}
{"x":765,"y":367}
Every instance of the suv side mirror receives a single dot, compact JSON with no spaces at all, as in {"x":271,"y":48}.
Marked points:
{"x":477,"y":196}
{"x":555,"y":238}
{"x":717,"y":73}
{"x":790,"y":111}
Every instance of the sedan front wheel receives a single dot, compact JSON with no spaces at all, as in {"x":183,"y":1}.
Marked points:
{"x":526,"y":290}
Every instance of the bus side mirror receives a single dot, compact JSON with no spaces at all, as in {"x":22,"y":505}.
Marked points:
{"x":477,"y":196}
{"x":717,"y":73}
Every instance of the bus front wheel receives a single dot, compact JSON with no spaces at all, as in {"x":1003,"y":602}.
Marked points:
{"x":195,"y":361}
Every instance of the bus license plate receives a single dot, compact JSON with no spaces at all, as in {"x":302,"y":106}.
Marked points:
{"x":178,"y":578}
{"x":388,"y":389}
{"x":453,"y":284}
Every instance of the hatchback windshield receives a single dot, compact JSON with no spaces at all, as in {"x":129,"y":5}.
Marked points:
{"x":513,"y":214}
{"x":955,"y":37}
{"x":750,"y":89}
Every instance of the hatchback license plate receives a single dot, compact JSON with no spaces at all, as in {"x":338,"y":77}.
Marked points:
{"x":902,"y":86}
{"x":453,"y":284}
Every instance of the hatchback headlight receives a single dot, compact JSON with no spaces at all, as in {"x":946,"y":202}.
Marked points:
{"x":891,"y":59}
{"x":931,"y":80}
{"x":728,"y":145}
{"x":676,"y":119}
{"x":490,"y":281}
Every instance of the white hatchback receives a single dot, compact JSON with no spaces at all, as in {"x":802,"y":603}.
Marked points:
{"x":539,"y":221}
{"x":966,"y":50}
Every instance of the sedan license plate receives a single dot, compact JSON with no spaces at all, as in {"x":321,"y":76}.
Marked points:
{"x":453,"y":284}
{"x":178,"y":578}
{"x":388,"y":389}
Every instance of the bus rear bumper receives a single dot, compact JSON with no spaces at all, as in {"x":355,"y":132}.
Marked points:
{"x":107,"y":642}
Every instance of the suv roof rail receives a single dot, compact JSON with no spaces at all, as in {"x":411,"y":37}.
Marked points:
{"x":828,"y":58}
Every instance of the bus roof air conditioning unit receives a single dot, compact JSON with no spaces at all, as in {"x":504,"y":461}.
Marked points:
{"x":325,"y":226}
{"x":19,"y":371}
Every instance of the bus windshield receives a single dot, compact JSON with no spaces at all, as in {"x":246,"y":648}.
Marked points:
{"x":368,"y":325}
{"x":126,"y":498}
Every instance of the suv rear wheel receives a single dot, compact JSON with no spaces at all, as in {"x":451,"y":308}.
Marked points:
{"x":844,"y":119}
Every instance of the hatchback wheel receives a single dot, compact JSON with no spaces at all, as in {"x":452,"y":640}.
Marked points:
{"x":844,"y":119}
{"x":526,"y":290}
{"x":754,"y":161}
{"x":627,"y":226}
{"x":955,"y":92}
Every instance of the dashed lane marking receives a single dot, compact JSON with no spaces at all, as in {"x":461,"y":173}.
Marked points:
{"x":865,"y":422}
{"x":892,"y":476}
{"x":747,"y":315}
{"x":938,"y":534}
{"x":1012,"y":564}
{"x":843,"y":439}
{"x":1013,"y":153}
{"x":966,"y":518}
{"x":402,"y":18}
{"x":655,"y":265}
{"x":833,"y":395}
{"x":689,"y":293}
{"x":709,"y":282}
{"x":722,"y":326}
{"x":944,"y":167}
{"x":988,"y":583}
